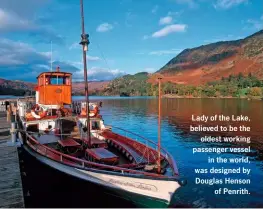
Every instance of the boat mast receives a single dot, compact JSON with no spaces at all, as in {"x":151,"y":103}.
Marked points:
{"x":159,"y":128}
{"x":51,"y":57}
{"x":85,"y":42}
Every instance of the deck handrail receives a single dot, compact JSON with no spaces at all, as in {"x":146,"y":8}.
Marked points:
{"x":165,"y":153}
{"x":85,"y":162}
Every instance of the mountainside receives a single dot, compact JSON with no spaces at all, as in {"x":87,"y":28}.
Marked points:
{"x":129,"y":85}
{"x":78,"y":88}
{"x":214,"y":61}
{"x":16,"y":84}
{"x":19,"y":88}
{"x":16,"y":88}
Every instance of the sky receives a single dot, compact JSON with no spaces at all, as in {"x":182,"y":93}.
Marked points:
{"x":126,"y":36}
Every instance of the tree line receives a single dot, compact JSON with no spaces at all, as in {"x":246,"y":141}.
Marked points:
{"x":231,"y":86}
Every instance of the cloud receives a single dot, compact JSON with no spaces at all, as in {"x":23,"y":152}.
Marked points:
{"x":79,"y":64}
{"x":227,"y":4}
{"x":22,"y":8}
{"x":164,"y":52}
{"x":255,"y":24}
{"x":17,"y":16}
{"x":155,"y":9}
{"x":91,"y":58}
{"x":175,"y":28}
{"x":20,"y":61}
{"x":12,"y":22}
{"x":190,"y":3}
{"x":21,"y":53}
{"x":74,"y":46}
{"x":99,"y":74}
{"x":104,"y":27}
{"x":165,"y":20}
{"x":65,"y":67}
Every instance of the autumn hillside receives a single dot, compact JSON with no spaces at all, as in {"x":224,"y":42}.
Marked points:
{"x":214,"y":61}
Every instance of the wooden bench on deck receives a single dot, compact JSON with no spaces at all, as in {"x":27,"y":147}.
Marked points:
{"x":102,"y":155}
{"x":69,"y":145}
{"x":96,"y":143}
{"x":136,"y":156}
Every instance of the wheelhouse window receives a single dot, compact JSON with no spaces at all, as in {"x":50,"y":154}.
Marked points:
{"x":58,"y":80}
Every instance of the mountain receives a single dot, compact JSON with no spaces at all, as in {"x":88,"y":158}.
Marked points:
{"x":133,"y":85}
{"x":213,"y":61}
{"x":19,"y":88}
{"x":16,"y":84}
{"x":78,"y":88}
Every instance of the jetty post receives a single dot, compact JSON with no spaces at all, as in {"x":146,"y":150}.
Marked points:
{"x":13,"y":130}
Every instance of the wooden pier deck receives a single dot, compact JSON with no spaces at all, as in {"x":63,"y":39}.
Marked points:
{"x":11,"y":190}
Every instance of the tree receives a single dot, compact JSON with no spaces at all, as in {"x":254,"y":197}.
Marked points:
{"x":255,"y":91}
{"x":210,"y":91}
{"x":240,"y":76}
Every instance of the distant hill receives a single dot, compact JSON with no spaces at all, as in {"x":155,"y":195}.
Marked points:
{"x":16,"y":88}
{"x":133,"y":85}
{"x":78,"y":88}
{"x":214,"y":61}
{"x":19,"y":88}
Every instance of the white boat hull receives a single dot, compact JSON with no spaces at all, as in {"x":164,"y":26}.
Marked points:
{"x":161,"y":190}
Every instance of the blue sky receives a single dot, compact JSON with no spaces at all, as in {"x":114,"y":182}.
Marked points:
{"x":127,"y":36}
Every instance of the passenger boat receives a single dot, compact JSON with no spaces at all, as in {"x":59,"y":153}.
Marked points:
{"x":71,"y":137}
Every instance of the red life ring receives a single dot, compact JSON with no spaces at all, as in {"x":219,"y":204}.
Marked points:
{"x":39,"y":115}
{"x":92,"y":113}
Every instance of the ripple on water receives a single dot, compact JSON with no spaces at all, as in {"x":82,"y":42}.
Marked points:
{"x":141,"y":116}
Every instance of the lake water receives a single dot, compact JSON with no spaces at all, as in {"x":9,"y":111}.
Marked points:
{"x":140,"y":115}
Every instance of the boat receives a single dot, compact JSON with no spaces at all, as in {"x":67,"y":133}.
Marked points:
{"x":72,"y":137}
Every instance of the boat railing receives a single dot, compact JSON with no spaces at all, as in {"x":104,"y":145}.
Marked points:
{"x":80,"y":163}
{"x":148,"y":143}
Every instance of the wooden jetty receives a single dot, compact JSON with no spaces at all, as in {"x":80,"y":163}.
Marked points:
{"x":11,"y":190}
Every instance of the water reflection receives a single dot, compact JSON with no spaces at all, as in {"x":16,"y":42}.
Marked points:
{"x":140,"y":116}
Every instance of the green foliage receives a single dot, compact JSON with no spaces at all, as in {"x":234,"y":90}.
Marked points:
{"x":134,"y":85}
{"x":231,"y":86}
{"x":255,"y":91}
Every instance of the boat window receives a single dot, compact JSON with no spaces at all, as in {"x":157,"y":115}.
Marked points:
{"x":95,"y":125}
{"x":58,"y":80}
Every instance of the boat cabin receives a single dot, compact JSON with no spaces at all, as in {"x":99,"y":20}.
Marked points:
{"x":54,"y":88}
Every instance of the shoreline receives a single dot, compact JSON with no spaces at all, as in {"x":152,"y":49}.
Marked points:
{"x":172,"y":96}
{"x":167,"y":96}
